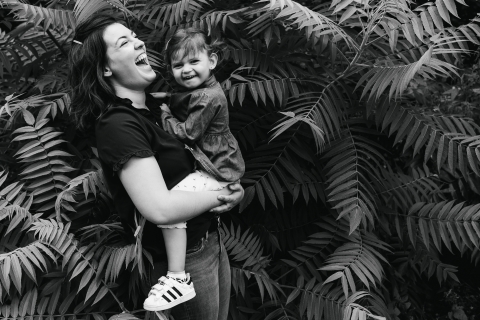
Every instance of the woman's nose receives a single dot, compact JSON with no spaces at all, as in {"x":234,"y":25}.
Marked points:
{"x":139,"y":44}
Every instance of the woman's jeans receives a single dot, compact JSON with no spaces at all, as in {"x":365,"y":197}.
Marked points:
{"x":208,"y":265}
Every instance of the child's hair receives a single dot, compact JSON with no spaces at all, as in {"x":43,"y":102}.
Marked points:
{"x":191,"y":40}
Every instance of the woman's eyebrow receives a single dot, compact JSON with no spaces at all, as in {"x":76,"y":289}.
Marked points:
{"x":123,"y":37}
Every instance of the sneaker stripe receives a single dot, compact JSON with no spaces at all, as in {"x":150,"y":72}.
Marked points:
{"x":173,"y":296}
{"x":164,"y":297}
{"x":177,"y":291}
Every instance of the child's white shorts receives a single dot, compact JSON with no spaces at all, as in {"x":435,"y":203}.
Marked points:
{"x":196,"y":181}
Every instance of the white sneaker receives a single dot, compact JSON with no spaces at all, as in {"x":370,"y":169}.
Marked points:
{"x":168,"y":293}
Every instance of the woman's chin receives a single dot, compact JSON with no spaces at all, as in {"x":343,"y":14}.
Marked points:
{"x":147,"y":72}
{"x":145,"y":67}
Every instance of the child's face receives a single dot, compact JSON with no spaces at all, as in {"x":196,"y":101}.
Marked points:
{"x":193,"y":69}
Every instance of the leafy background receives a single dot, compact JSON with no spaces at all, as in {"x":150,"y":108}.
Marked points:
{"x":358,"y":120}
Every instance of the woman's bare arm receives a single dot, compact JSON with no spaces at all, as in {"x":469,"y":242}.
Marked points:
{"x":144,"y":183}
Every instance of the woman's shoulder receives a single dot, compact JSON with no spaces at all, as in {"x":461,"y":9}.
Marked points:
{"x":115,"y":115}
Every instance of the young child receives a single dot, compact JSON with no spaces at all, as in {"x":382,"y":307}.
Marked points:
{"x":198,"y":117}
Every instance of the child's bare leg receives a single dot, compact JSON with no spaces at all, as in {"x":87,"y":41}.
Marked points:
{"x":176,"y":246}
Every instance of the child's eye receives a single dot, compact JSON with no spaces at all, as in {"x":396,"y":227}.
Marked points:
{"x":123,"y":43}
{"x":195,"y":61}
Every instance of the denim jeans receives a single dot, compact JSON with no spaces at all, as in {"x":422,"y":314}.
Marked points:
{"x":210,"y":271}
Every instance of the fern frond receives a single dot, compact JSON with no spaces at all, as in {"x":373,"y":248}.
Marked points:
{"x":14,"y":194}
{"x":274,"y":163}
{"x":279,"y":58}
{"x":401,"y":191}
{"x":61,"y":20}
{"x":85,"y":8}
{"x":322,"y":301}
{"x":212,"y":21}
{"x":78,"y":260}
{"x":427,"y":262}
{"x":44,"y":170}
{"x":353,"y":162}
{"x":450,"y":141}
{"x":261,"y":86}
{"x":286,"y":229}
{"x":23,"y":260}
{"x":321,"y":111}
{"x":443,"y":222}
{"x":357,"y":258}
{"x":247,"y":125}
{"x":297,"y":16}
{"x":89,"y":182}
{"x":398,"y":77}
{"x":17,"y":215}
{"x":170,"y":14}
{"x":24,"y":54}
{"x":317,"y":248}
{"x":247,"y":248}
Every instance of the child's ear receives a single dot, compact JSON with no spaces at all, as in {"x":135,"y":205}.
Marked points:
{"x":213,"y":60}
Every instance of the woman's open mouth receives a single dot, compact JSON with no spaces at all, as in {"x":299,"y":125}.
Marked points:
{"x":142,"y":61}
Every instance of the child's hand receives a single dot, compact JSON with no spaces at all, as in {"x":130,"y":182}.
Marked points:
{"x":165,"y":108}
{"x":161,"y":95}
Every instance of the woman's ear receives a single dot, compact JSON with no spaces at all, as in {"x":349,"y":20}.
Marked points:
{"x":213,"y":60}
{"x":107,"y":72}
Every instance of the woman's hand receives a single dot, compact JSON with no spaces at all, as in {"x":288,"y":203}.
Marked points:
{"x":231,"y":200}
{"x":161,"y":95}
{"x":165,"y":108}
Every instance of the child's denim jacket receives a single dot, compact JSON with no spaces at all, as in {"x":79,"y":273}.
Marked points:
{"x":199,"y":118}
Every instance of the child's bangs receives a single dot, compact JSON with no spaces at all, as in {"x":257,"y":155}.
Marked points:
{"x":187,"y":47}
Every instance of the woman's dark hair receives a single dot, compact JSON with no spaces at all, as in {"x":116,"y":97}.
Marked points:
{"x":191,"y":40}
{"x":90,"y":92}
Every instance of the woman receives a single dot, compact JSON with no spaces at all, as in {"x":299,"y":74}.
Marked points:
{"x":109,"y":72}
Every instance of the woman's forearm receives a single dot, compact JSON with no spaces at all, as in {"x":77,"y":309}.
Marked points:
{"x":181,"y":206}
{"x":144,"y":183}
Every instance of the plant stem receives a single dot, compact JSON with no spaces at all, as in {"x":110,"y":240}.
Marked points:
{"x":56,"y":43}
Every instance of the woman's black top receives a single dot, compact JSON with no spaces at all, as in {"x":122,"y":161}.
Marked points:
{"x":124,"y":131}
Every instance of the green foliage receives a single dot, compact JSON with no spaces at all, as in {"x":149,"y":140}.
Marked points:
{"x":359,"y":170}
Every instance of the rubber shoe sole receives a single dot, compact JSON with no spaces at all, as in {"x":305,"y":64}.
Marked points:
{"x":172,"y":304}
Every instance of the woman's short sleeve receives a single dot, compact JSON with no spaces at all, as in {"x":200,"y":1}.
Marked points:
{"x":120,"y":136}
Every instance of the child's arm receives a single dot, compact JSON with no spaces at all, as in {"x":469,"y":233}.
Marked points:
{"x":201,"y":111}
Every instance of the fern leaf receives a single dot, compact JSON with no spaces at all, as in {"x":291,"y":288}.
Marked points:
{"x":299,"y":17}
{"x":356,"y":257}
{"x":61,"y":20}
{"x":444,"y":222}
{"x":349,"y":174}
{"x":85,"y":8}
{"x":248,"y":249}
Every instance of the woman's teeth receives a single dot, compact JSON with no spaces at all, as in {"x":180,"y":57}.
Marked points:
{"x":141,"y":59}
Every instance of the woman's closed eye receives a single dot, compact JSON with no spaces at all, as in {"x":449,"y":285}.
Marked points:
{"x":126,"y":41}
